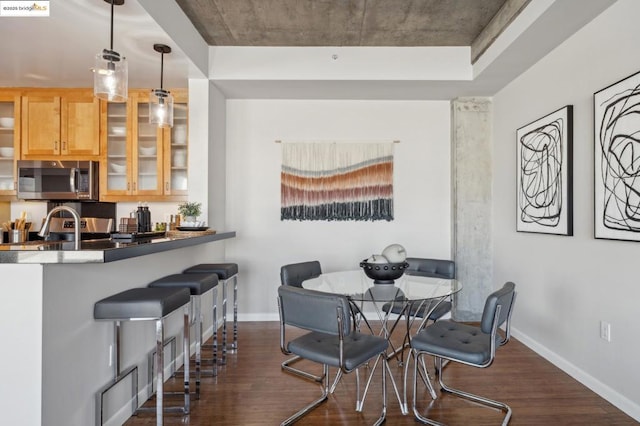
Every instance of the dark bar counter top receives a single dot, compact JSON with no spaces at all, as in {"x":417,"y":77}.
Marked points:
{"x":98,"y":251}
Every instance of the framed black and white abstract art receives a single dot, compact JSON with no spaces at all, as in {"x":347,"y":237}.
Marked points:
{"x":544,"y":174}
{"x":617,"y":160}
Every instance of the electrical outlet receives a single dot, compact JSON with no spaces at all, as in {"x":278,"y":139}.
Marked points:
{"x":110,"y":355}
{"x":605,"y":331}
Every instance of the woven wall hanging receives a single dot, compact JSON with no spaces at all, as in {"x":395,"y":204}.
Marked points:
{"x":337,"y":181}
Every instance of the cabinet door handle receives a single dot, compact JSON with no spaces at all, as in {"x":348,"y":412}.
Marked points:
{"x":166,"y":186}
{"x":55,"y":146}
{"x":64,"y":146}
{"x":128,"y":186}
{"x":134,"y":186}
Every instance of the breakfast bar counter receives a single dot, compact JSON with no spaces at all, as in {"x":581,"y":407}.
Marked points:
{"x":57,"y":356}
{"x":98,"y":251}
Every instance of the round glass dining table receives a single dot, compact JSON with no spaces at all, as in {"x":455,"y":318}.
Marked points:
{"x":410,"y":292}
{"x":360,"y":288}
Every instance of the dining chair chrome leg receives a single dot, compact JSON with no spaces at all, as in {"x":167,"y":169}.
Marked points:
{"x":337,"y":379}
{"x":424,"y":374}
{"x":286,"y":366}
{"x":358,"y":400}
{"x":476,"y":398}
{"x":437,"y":368}
{"x":314,"y":404}
{"x":404,"y":380}
{"x":414,"y":407}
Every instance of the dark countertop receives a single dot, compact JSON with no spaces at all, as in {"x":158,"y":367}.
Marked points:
{"x":98,"y":251}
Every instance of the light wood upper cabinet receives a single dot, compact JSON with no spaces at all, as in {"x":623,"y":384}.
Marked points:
{"x":137,"y":160}
{"x":176,"y":148}
{"x":66,"y":122}
{"x":9,"y":141}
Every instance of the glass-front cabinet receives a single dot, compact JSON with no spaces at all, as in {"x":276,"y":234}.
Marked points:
{"x":117,"y":161}
{"x":175,"y":144}
{"x":9,"y":142}
{"x":146,"y":151}
{"x":144,"y":162}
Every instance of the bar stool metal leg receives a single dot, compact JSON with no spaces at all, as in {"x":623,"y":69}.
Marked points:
{"x":117,"y":376}
{"x":225,"y":273}
{"x":215,"y":332}
{"x":186,"y":350}
{"x":159,"y":366}
{"x":234,"y":345}
{"x":145,"y":304}
{"x":197,"y":319}
{"x":225,"y":345}
{"x":224,"y":323}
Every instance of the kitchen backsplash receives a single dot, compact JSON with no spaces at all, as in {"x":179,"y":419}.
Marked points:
{"x":37,"y":210}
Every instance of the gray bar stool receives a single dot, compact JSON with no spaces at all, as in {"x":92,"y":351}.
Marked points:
{"x":144,"y":304}
{"x":197,"y":284}
{"x":225,"y":273}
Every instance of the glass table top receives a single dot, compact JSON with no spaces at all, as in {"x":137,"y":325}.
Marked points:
{"x":361,"y":288}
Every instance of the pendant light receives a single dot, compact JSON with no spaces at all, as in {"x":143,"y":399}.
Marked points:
{"x":110,"y":74}
{"x":161,"y":101}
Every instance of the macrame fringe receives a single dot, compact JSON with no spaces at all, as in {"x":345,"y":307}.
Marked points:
{"x":331,"y":181}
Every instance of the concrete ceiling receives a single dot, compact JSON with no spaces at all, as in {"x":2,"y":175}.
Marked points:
{"x":340,"y":22}
{"x":59,"y":50}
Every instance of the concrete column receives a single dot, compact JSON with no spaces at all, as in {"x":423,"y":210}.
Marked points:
{"x":471,"y":121}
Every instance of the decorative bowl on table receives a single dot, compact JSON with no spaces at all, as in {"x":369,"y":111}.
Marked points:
{"x":383,"y":273}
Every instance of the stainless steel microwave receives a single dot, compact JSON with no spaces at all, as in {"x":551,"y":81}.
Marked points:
{"x":58,"y":180}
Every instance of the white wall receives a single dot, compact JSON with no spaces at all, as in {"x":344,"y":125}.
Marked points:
{"x":566,"y":285}
{"x":264,"y":243}
{"x":21,"y":331}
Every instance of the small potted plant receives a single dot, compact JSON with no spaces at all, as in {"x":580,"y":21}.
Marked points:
{"x":190,"y":210}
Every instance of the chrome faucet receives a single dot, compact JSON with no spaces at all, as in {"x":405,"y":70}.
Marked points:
{"x":44,"y":232}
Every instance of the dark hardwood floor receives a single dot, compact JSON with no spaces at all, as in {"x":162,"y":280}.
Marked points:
{"x":252,"y":390}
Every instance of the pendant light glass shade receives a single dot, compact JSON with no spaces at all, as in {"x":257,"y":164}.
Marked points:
{"x":110,"y":73}
{"x":161,"y":108}
{"x":160,"y":100}
{"x":110,"y":77}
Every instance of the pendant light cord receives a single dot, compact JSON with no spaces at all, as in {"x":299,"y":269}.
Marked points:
{"x":161,"y":69}
{"x":112,"y":6}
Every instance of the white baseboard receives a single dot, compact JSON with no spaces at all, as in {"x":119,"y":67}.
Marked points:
{"x":620,"y":401}
{"x":258,"y":317}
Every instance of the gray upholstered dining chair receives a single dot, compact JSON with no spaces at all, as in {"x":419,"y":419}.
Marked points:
{"x":293,"y":275}
{"x":436,"y":268}
{"x":331,"y":341}
{"x":470,"y":345}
